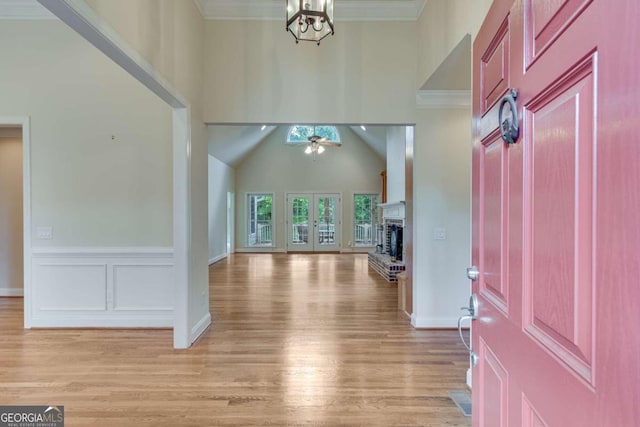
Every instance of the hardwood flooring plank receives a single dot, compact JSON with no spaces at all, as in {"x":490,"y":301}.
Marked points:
{"x":296,"y":340}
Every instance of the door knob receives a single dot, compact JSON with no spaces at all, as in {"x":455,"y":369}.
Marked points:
{"x":473,"y":273}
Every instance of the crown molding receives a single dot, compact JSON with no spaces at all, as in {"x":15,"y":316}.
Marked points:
{"x":272,"y":10}
{"x":427,"y":99}
{"x":24,"y":9}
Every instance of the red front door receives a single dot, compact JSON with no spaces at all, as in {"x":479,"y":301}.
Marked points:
{"x":556,"y":215}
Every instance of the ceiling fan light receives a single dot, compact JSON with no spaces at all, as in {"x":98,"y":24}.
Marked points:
{"x":308,"y":150}
{"x":320,"y":149}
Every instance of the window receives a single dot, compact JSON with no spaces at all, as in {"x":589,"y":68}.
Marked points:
{"x":301,"y":133}
{"x":260,"y":215}
{"x":365,"y":211}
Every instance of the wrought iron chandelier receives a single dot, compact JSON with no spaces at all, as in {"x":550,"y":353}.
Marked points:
{"x":310,"y":20}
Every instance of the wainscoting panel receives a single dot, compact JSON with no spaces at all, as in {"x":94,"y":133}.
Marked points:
{"x":142,"y":287}
{"x":65,"y":286}
{"x":102,"y":287}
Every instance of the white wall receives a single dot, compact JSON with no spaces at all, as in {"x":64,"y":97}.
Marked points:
{"x":101,"y":177}
{"x":11,"y":247}
{"x":100,"y":142}
{"x":441,"y":26}
{"x":221,"y":181}
{"x":275,"y":167}
{"x":255,"y":73}
{"x":396,"y":153}
{"x":442,"y":182}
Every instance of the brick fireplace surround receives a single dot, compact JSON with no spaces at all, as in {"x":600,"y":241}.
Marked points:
{"x":393,"y":214}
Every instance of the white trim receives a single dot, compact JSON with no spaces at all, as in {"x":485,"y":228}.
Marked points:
{"x":397,"y":10}
{"x":260,"y":249}
{"x":429,"y":99}
{"x":111,"y":252}
{"x":11,"y":292}
{"x":434,"y":322}
{"x":24,"y":10}
{"x":69,"y":321}
{"x":469,"y":377}
{"x":25,"y":123}
{"x":182,"y":225}
{"x":199,"y":328}
{"x":218,"y":258}
{"x":78,"y":15}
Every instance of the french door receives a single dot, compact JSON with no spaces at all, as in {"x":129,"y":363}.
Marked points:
{"x":313,"y":222}
{"x":556,"y":214}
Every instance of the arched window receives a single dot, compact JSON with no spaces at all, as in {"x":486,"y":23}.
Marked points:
{"x":301,"y":133}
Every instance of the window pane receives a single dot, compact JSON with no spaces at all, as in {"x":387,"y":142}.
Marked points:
{"x":365,"y":214}
{"x":300,"y":133}
{"x":260,"y":220}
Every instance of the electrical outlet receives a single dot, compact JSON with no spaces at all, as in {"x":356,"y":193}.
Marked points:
{"x":44,"y":233}
{"x":439,"y":234}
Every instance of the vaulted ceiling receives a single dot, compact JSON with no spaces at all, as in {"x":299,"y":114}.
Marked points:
{"x":232,"y":143}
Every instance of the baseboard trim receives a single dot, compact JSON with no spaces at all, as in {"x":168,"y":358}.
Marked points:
{"x":258,"y":250}
{"x":11,"y":292}
{"x":156,"y":321}
{"x":217,"y":258}
{"x":200,"y":327}
{"x":434,"y":322}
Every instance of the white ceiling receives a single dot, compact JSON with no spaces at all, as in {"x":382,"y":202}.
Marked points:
{"x":345,"y":10}
{"x":23,"y":9}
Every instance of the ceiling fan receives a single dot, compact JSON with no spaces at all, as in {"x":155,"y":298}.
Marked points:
{"x":317,"y":143}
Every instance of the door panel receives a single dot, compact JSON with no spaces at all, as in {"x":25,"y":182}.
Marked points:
{"x":494,"y":383}
{"x":559,"y":221}
{"x":493,"y":163}
{"x":556,"y":216}
{"x":545,"y":20}
{"x":299,"y":218}
{"x":495,"y":68}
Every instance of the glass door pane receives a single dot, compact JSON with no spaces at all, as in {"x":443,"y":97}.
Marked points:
{"x":299,"y":218}
{"x":327,"y":222}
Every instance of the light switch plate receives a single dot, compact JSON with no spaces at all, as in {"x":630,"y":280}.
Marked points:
{"x":44,"y":233}
{"x":439,"y":234}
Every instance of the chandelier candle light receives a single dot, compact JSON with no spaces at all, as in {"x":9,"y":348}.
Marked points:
{"x":310,"y":20}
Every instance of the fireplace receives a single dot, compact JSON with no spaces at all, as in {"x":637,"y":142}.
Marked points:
{"x":388,"y":258}
{"x":395,"y":242}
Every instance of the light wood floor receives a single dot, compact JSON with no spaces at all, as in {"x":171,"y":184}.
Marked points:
{"x":296,"y":340}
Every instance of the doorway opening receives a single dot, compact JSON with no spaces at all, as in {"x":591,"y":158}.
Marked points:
{"x":11,"y":214}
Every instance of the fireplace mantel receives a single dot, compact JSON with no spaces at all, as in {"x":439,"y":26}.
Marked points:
{"x":392,"y":210}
